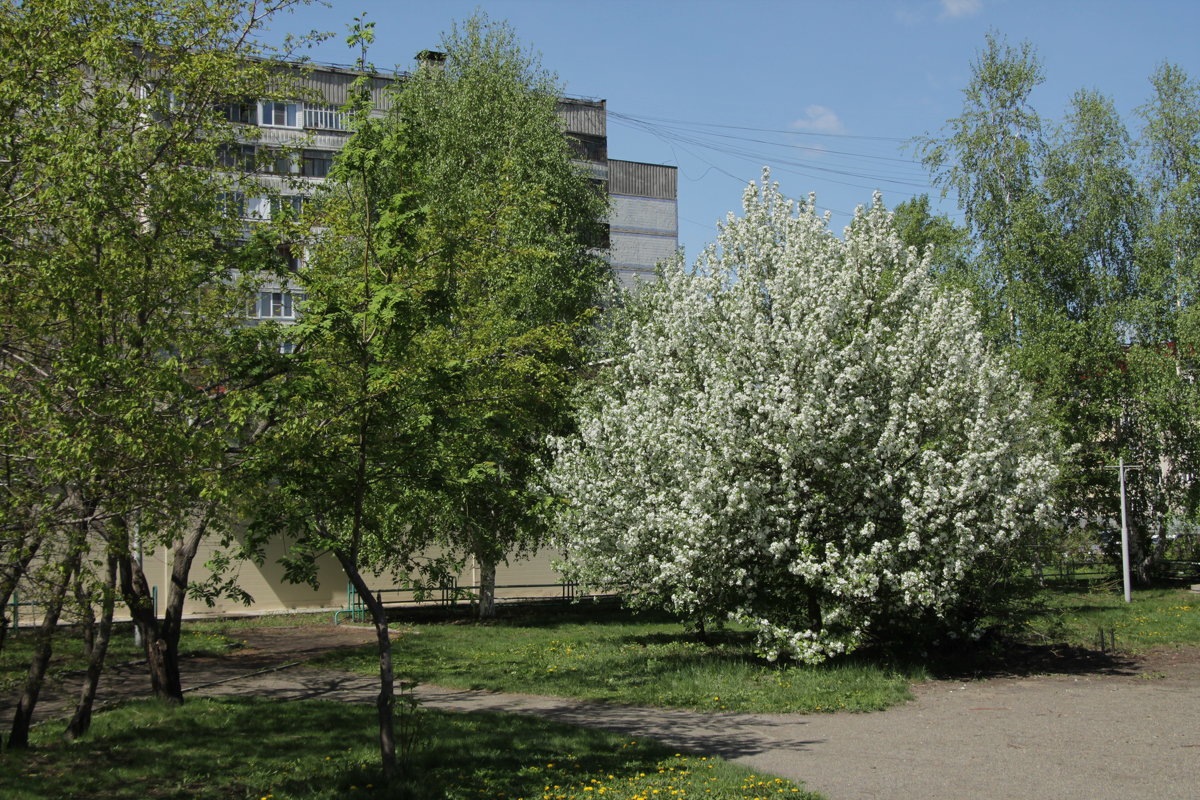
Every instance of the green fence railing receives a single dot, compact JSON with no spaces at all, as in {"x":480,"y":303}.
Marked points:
{"x":450,"y":595}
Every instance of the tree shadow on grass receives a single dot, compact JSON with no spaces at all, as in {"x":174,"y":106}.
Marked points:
{"x":1006,"y":658}
{"x":316,"y":750}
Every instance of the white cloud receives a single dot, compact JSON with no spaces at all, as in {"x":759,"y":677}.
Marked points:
{"x":819,"y":119}
{"x":953,"y":9}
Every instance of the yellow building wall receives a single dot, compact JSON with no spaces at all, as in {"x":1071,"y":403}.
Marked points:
{"x":526,"y":576}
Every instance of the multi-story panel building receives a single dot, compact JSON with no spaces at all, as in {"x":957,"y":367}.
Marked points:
{"x":643,"y":217}
{"x":642,"y":197}
{"x":292,"y":151}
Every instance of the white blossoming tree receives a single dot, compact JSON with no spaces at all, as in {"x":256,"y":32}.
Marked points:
{"x":805,"y":434}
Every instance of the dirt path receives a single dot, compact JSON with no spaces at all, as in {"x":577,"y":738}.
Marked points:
{"x":262,"y":649}
{"x":1130,"y":733}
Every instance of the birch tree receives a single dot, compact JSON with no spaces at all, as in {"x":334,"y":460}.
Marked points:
{"x":1085,"y":267}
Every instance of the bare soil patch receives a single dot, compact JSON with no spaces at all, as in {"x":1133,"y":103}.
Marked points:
{"x":299,"y":643}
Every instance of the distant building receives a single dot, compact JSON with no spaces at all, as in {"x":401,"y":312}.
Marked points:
{"x":643,"y":221}
{"x":643,"y":230}
{"x":643,"y":202}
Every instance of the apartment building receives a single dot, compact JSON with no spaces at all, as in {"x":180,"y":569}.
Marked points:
{"x":643,"y":216}
{"x":643,"y":225}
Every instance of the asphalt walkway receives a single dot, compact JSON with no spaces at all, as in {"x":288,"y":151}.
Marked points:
{"x":1060,"y":738}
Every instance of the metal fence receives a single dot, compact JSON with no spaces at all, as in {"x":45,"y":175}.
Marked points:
{"x":452,"y":595}
{"x":16,"y":618}
{"x":14,"y":607}
{"x":1059,"y":571}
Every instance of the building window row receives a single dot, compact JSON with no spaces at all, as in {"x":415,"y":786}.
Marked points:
{"x":276,"y":305}
{"x":241,"y":206}
{"x":278,"y":114}
{"x":307,"y":163}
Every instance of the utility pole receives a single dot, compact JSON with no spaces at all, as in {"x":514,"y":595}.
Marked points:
{"x":1121,"y":467}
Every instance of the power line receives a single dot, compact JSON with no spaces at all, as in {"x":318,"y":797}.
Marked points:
{"x":693,"y":135}
{"x":698,"y":128}
{"x":760,"y":130}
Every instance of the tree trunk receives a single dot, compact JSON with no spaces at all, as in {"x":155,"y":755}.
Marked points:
{"x":385,"y":704}
{"x":161,"y":639}
{"x":138,"y":597}
{"x":814,"y":610}
{"x":18,"y":736}
{"x":10,"y":576}
{"x":182,"y":556}
{"x":487,"y":588}
{"x":1139,"y":562}
{"x":96,"y":642}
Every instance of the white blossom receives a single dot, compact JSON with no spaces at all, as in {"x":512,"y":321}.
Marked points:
{"x":803,"y":433}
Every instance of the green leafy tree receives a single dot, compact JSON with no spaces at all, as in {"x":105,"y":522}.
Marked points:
{"x":1085,"y":260}
{"x":1084,"y":231}
{"x":124,"y":364}
{"x":988,"y":157}
{"x":449,"y":279}
{"x":951,"y":256}
{"x":505,"y":201}
{"x":1160,"y":417}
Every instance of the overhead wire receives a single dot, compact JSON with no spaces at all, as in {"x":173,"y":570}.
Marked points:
{"x":698,"y":140}
{"x":844,"y":166}
{"x":788,"y":131}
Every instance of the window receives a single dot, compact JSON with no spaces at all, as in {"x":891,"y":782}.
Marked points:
{"x":280,"y":115}
{"x":232,"y":204}
{"x":293,"y":203}
{"x":236,"y":157}
{"x":240,"y":112}
{"x":289,"y":257}
{"x":258,"y":207}
{"x":588,"y":148}
{"x":163,"y":100}
{"x":329,"y":118}
{"x":276,"y":305}
{"x":280,"y":163}
{"x":316,"y":163}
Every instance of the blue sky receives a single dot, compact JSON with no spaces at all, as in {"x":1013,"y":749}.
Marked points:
{"x":826,"y":92}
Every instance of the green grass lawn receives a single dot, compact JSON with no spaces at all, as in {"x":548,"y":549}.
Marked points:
{"x":261,"y":749}
{"x":1156,"y":617}
{"x":242,"y":748}
{"x":611,"y":655}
